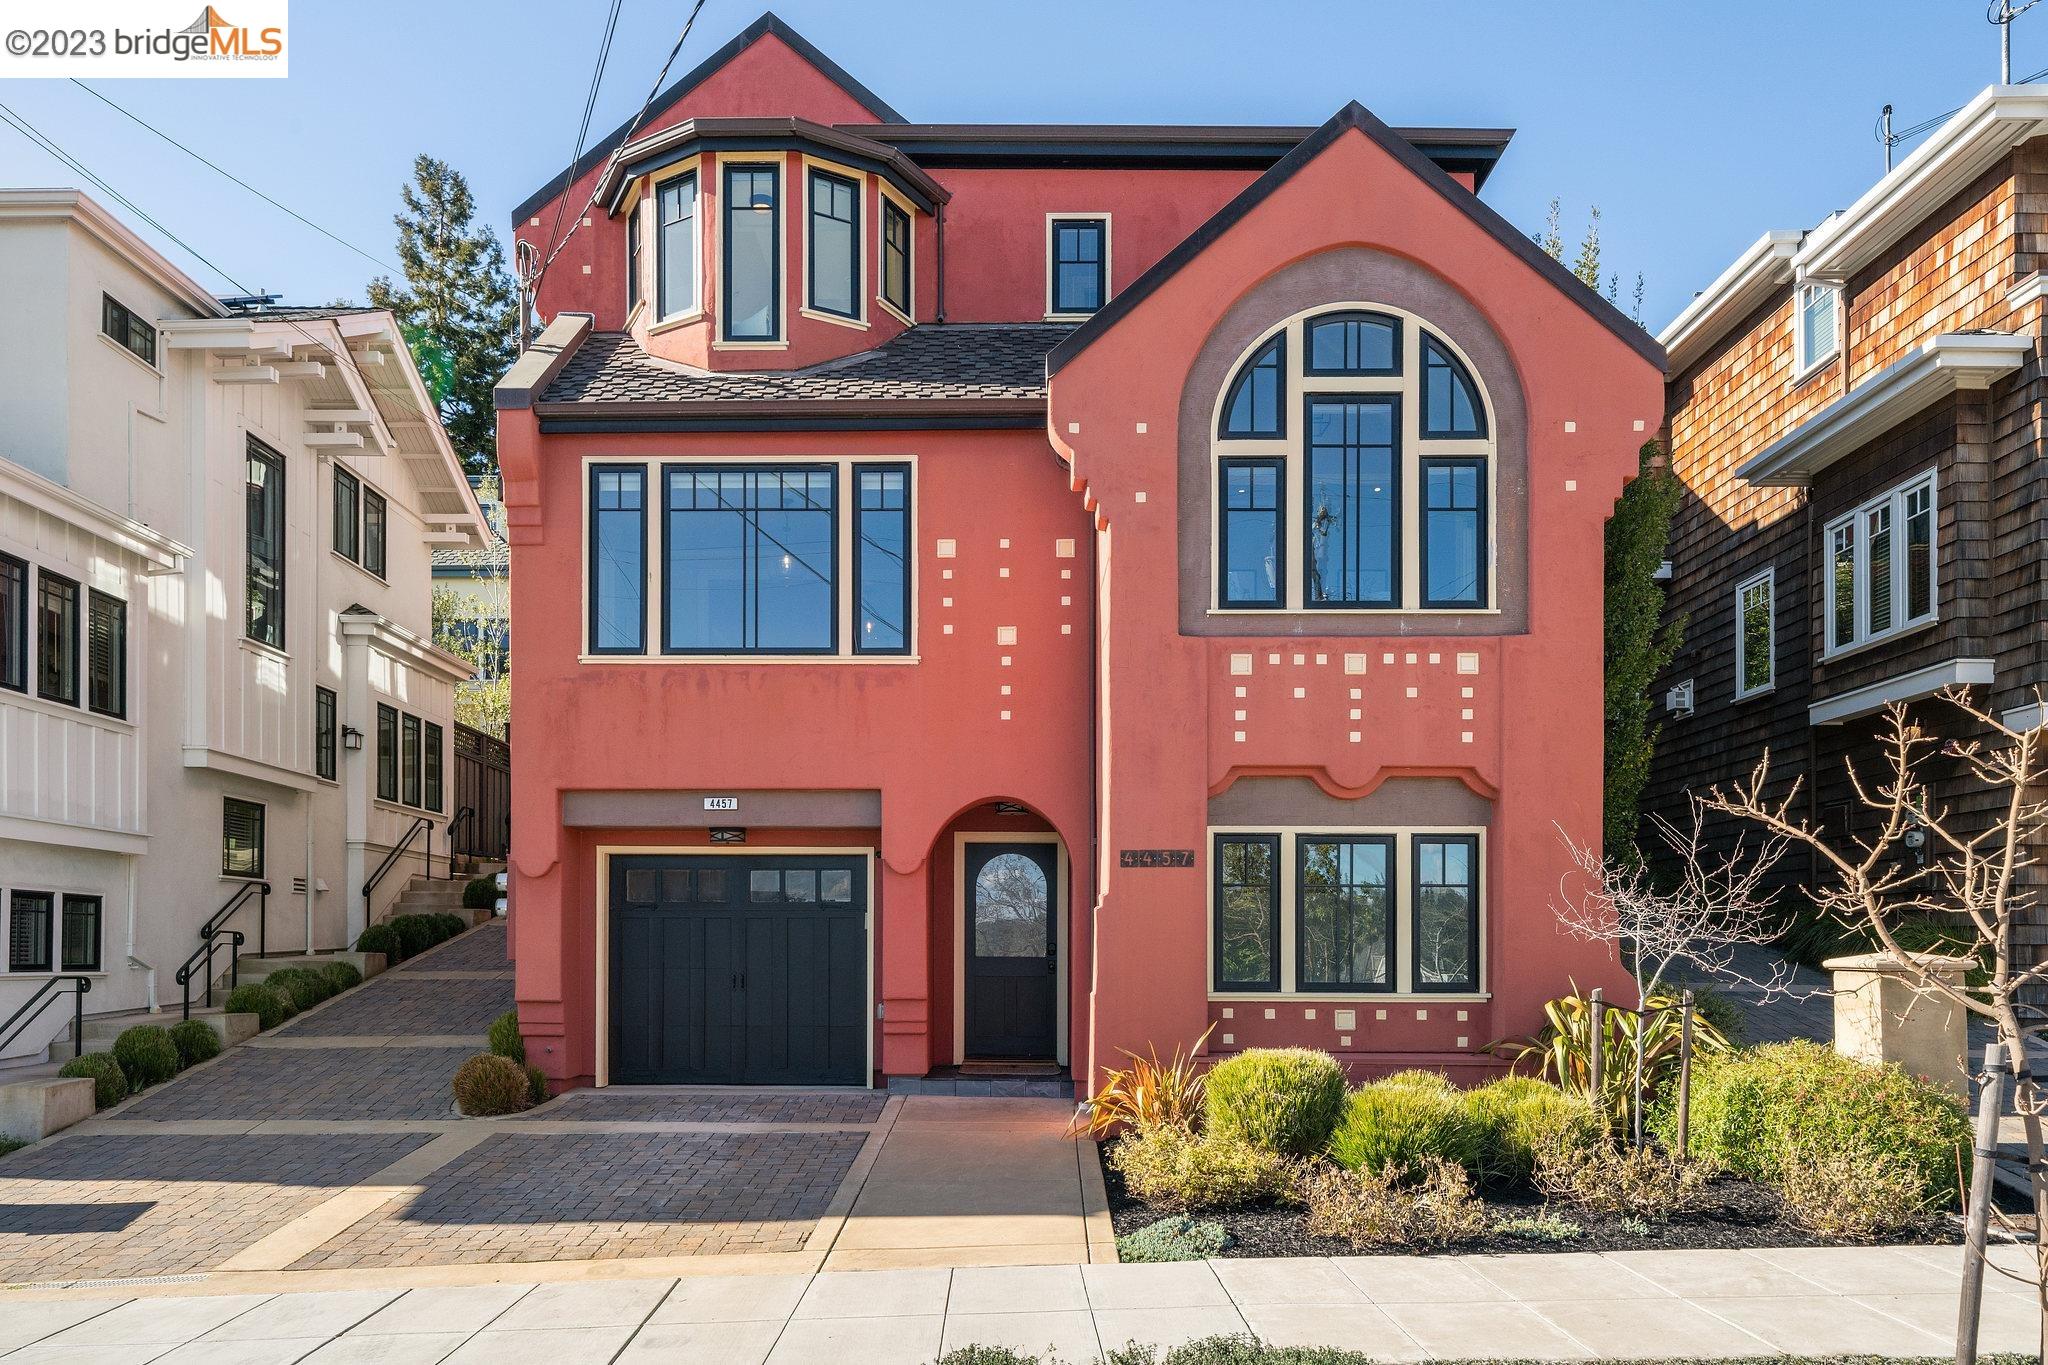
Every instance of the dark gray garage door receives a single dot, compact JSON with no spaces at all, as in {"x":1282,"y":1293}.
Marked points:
{"x":739,"y":970}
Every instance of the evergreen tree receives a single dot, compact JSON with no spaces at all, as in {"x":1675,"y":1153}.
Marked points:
{"x":457,"y":306}
{"x":1638,"y":649}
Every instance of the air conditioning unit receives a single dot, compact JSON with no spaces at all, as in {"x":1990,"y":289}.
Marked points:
{"x":1678,"y":701}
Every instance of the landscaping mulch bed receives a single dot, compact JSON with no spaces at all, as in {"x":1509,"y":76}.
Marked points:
{"x":1744,"y":1214}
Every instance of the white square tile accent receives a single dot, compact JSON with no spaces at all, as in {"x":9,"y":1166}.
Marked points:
{"x":1386,"y":658}
{"x":1066,"y":629}
{"x":1228,"y":1040}
{"x":1322,"y":659}
{"x":946,"y":549}
{"x":1436,"y":658}
{"x":1238,"y":737}
{"x":1308,"y":1014}
{"x":1421,"y":1015}
{"x":1356,"y":737}
{"x":1639,"y":424}
{"x":945,"y":601}
{"x":1141,"y":428}
{"x":945,"y":573}
{"x":1006,"y":689}
{"x":1005,"y":661}
{"x":1063,"y":548}
{"x":1139,"y":496}
{"x":1003,"y":544}
{"x":1357,"y":713}
{"x":1571,"y":426}
{"x":1006,"y":715}
{"x":1273,"y":659}
{"x":1237,"y":715}
{"x":1344,"y":1018}
{"x":1468,"y":663}
{"x":1414,"y":692}
{"x":1066,"y":573}
{"x":1358,"y":694}
{"x":1003,"y":572}
{"x":1465,"y":714}
{"x":1241,"y":666}
{"x":586,"y":269}
{"x":1571,"y":485}
{"x":1300,"y":659}
{"x":1411,"y":658}
{"x":1466,"y":692}
{"x":1272,"y":1014}
{"x":1380,"y":1015}
{"x":947,"y":628}
{"x":1463,"y":1016}
{"x":1066,"y":601}
{"x":1241,"y":691}
{"x":1464,"y":737}
{"x":1006,"y":635}
{"x":1074,"y":428}
{"x":1354,"y":663}
{"x":1229,"y":1013}
{"x":1463,"y":1041}
{"x":1300,"y":692}
{"x":1344,"y":1040}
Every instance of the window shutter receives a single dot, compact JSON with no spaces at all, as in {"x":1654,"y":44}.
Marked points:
{"x":241,"y":838}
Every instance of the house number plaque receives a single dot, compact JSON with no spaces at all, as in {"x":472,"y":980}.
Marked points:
{"x":1155,"y":857}
{"x":721,"y":803}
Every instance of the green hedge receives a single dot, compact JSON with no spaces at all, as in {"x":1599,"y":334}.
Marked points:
{"x":269,"y":1005}
{"x":378,"y":938}
{"x":480,"y":894}
{"x":1283,"y":1099}
{"x":1517,"y":1116}
{"x":109,"y":1081}
{"x":196,"y":1042}
{"x":1398,"y":1123}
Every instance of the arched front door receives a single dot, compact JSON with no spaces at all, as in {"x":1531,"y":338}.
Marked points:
{"x":1012,"y":939}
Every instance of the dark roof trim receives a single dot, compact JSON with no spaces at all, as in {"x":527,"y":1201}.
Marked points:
{"x":878,"y":419}
{"x":686,"y":139}
{"x":1356,"y":116}
{"x":703,"y":71}
{"x":1032,"y":145}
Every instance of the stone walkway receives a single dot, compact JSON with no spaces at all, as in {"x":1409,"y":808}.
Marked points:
{"x":1629,"y":1305}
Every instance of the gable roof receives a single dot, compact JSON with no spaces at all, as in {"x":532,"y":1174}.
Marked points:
{"x":1355,"y":116}
{"x":768,"y":23}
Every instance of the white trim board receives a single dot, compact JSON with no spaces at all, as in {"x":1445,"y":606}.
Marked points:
{"x":1921,"y":682}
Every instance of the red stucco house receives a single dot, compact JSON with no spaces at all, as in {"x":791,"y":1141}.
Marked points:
{"x":990,"y":596}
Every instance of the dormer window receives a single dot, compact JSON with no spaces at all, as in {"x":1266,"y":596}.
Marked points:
{"x":835,"y":244}
{"x":675,"y":250}
{"x":895,"y":257}
{"x":1079,"y":265}
{"x":753,"y":261}
{"x":1817,"y":309}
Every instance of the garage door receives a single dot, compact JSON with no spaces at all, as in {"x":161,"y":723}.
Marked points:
{"x":742,"y":971}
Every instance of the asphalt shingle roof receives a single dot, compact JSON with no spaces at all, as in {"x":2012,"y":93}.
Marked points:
{"x":930,"y":362}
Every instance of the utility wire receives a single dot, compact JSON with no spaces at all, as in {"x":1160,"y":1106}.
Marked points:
{"x":1929,"y":124}
{"x":604,"y":51}
{"x":141,"y":122}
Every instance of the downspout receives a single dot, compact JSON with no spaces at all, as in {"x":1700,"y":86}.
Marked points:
{"x":134,"y":962}
{"x":939,"y":261}
{"x":1808,"y":550}
{"x":319,"y":614}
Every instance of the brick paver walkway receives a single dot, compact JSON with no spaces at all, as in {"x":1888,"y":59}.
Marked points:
{"x":480,"y":950}
{"x":104,"y":1206}
{"x":313,"y":1083}
{"x":625,"y":1106}
{"x":597,"y":1196}
{"x":396,"y":1004}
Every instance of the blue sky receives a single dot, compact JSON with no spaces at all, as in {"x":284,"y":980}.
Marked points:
{"x":1694,"y":127}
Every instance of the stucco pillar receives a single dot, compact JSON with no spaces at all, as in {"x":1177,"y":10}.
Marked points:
{"x":903,"y":982}
{"x":1882,"y":1014}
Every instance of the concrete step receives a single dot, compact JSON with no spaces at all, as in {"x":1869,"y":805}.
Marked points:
{"x":256,"y":968}
{"x":102,"y":1029}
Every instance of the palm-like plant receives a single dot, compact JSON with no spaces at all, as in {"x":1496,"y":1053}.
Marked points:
{"x":1639,"y":1053}
{"x":1146,"y":1094}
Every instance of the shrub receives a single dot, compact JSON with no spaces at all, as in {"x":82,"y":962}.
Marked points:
{"x":1427,"y":1080}
{"x":1722,"y":1012}
{"x":415,"y":934}
{"x":505,"y":1039}
{"x":1430,"y":1204}
{"x":378,"y":938}
{"x":341,"y":976}
{"x":1171,"y":1168}
{"x":196,"y":1042}
{"x":268,"y":1004}
{"x":109,"y":1081}
{"x":1562,"y":1051}
{"x":480,"y":894}
{"x":488,"y":1085}
{"x":1852,"y":1194}
{"x":1751,"y":1109}
{"x":1516,"y":1115}
{"x":1638,"y":1182}
{"x":1228,"y":1350}
{"x":1148,"y":1093}
{"x":147,"y":1055}
{"x":1283,"y":1099}
{"x":451,"y":924}
{"x":1401,"y":1124}
{"x":301,"y":986}
{"x":536,"y":1084}
{"x":986,"y":1355}
{"x":1179,"y":1238}
{"x":1540,"y":1227}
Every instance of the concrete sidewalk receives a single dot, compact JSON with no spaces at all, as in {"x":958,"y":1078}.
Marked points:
{"x":1624,"y":1305}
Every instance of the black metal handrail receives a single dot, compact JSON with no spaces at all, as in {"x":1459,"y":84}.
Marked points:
{"x":201,"y":962}
{"x":398,"y":849}
{"x":260,"y":890}
{"x":45,"y":995}
{"x":466,"y":813}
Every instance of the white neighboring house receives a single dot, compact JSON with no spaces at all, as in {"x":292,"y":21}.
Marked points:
{"x":217,"y":676}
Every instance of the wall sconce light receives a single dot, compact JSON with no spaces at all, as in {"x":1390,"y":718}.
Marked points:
{"x":1915,"y":840}
{"x":351,"y":738}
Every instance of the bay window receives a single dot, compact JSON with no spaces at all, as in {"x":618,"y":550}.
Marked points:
{"x":895,"y":257}
{"x":1881,"y":566}
{"x":834,"y":243}
{"x":675,"y":247}
{"x":753,"y":259}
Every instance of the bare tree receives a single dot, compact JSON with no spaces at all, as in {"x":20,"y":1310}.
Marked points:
{"x":1921,"y":860}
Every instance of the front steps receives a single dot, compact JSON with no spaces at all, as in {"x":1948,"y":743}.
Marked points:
{"x":102,"y":1029}
{"x":441,"y":895}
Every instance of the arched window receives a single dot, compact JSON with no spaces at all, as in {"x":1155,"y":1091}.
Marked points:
{"x":1380,"y":500}
{"x":1253,"y":410}
{"x":1450,"y":405}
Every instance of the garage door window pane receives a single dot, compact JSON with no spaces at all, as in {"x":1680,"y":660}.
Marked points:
{"x":641,"y":885}
{"x":835,"y":888}
{"x":764,"y":886}
{"x":800,"y":886}
{"x":711,"y":887}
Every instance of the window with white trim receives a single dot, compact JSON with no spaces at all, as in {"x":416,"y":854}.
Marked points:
{"x":1881,"y":566}
{"x":675,"y":246}
{"x":1755,"y":634}
{"x":1816,"y":324}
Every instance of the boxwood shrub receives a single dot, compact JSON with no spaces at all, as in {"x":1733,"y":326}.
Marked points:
{"x":480,"y":894}
{"x":1517,"y":1116}
{"x":341,"y":976}
{"x":109,"y":1081}
{"x":147,"y":1055}
{"x":1753,"y":1109}
{"x":303,"y":987}
{"x":415,"y":934}
{"x":1399,"y":1123}
{"x":378,"y":938}
{"x":1283,"y":1099}
{"x":451,"y":923}
{"x":196,"y":1042}
{"x":268,"y":1004}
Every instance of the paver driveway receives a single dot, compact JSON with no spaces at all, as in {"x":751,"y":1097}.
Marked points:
{"x":333,"y":1143}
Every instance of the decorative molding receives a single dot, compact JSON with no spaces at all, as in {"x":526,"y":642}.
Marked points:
{"x":2031,"y":289}
{"x":1921,"y":682}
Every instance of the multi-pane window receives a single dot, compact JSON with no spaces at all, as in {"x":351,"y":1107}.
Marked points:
{"x":1818,"y":332}
{"x":1079,"y":267}
{"x":409,"y":760}
{"x":1345,"y":912}
{"x":895,"y":257}
{"x":753,"y":262}
{"x":13,"y":623}
{"x":1755,"y":634}
{"x":1382,"y":500}
{"x":633,"y":259}
{"x":1247,"y":912}
{"x":29,"y":916}
{"x":835,"y":244}
{"x":1345,"y":934}
{"x":348,"y":514}
{"x":675,"y":246}
{"x":1446,"y":913}
{"x":430,"y":767}
{"x":263,"y":570}
{"x":751,"y":560}
{"x":241,"y":838}
{"x":387,"y":752}
{"x":1353,"y":490}
{"x":881,"y":521}
{"x":618,"y":560}
{"x":56,"y":638}
{"x":1453,"y":533}
{"x":106,"y":654}
{"x":375,"y":521}
{"x":81,"y":934}
{"x":1881,"y":566}
{"x":1253,"y":527}
{"x":324,"y":733}
{"x":128,"y":328}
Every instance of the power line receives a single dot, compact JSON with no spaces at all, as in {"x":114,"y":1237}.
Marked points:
{"x":230,"y":175}
{"x":604,"y":52}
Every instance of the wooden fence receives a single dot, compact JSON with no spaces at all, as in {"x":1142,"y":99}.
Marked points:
{"x":483,"y":782}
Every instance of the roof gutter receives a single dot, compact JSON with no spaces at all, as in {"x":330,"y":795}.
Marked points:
{"x":1739,"y":290}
